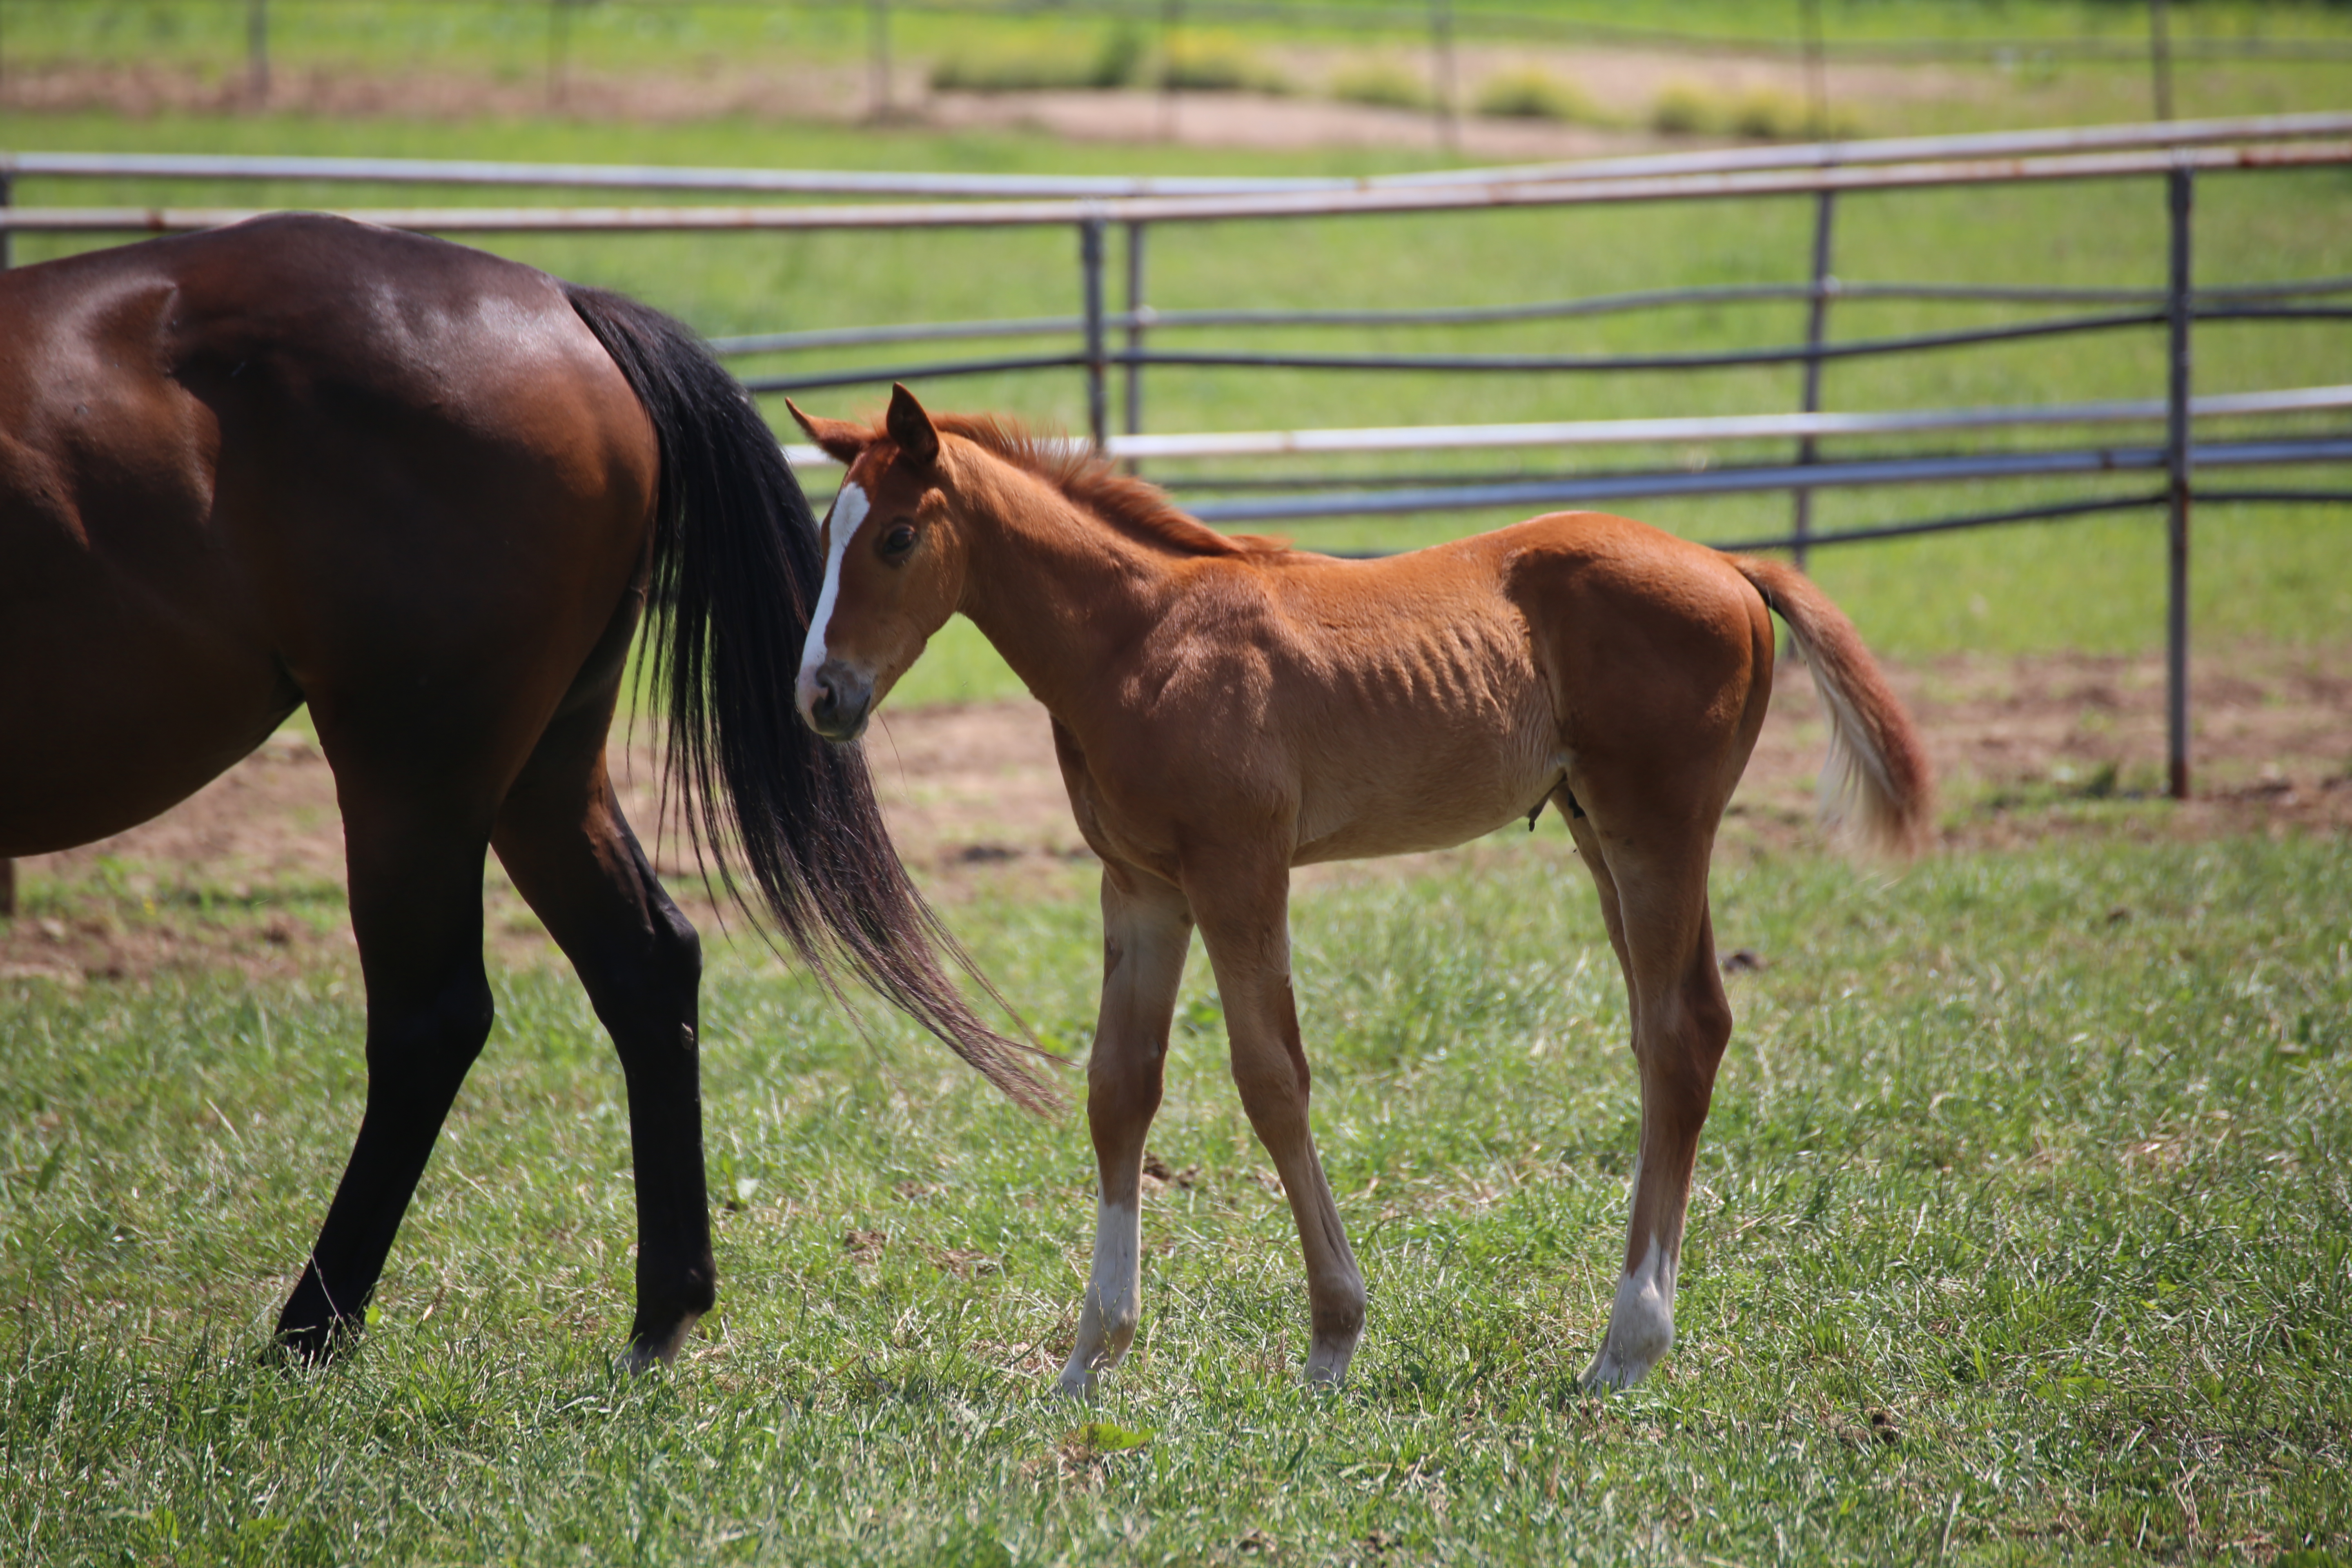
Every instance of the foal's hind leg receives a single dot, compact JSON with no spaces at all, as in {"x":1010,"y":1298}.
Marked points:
{"x":1244,"y":912}
{"x":1656,"y":877}
{"x":562,"y":837}
{"x":1147,"y":929}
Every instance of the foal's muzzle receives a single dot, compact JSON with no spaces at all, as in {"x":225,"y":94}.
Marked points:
{"x":837,"y":700}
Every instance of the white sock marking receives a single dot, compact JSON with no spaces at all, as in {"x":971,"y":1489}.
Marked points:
{"x":1640,"y":1322}
{"x":1117,"y":1286}
{"x":849,"y":509}
{"x":1643,"y":1318}
{"x":1114,"y":1302}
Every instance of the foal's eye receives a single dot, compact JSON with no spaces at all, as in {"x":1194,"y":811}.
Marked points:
{"x":898,"y":541}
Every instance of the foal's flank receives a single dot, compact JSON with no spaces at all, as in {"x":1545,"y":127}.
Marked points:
{"x":1225,"y":709}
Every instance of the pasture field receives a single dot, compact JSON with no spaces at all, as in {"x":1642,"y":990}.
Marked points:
{"x":2021,"y":1234}
{"x":2022,"y":1230}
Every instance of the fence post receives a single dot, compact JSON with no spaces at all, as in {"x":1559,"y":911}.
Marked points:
{"x":256,"y":52}
{"x":877,"y":41}
{"x":1441,"y":44}
{"x":1090,"y":262}
{"x":1135,"y":230}
{"x":1172,"y":20}
{"x":1816,"y":327}
{"x":2160,"y":55}
{"x":2181,"y":201}
{"x":559,"y":46}
{"x":1817,"y":83}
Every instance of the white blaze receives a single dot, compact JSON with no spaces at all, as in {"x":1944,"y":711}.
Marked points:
{"x":849,"y":509}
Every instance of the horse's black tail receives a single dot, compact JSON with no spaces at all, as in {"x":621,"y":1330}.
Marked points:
{"x":735,"y":569}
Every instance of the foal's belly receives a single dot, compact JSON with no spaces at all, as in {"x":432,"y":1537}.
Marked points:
{"x":1421,"y":791}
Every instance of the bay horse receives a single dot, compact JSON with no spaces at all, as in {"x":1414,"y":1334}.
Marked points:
{"x":1226,"y":709}
{"x":431,"y":493}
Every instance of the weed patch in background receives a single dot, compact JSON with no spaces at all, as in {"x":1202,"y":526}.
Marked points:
{"x":1760,"y":114}
{"x":1534,"y":93}
{"x":1217,"y":62}
{"x":1381,"y":82}
{"x":1118,"y":61}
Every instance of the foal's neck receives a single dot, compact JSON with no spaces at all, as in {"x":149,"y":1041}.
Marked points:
{"x":1062,"y":594}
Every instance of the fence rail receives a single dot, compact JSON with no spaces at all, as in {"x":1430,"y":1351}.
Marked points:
{"x":2176,"y":153}
{"x":1365,"y":200}
{"x":866,"y":183}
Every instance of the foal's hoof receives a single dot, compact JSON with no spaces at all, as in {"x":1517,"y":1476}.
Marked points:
{"x":1327,"y":1365}
{"x":1609,"y":1373}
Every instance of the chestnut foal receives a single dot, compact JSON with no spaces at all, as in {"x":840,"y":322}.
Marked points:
{"x":1226,"y":709}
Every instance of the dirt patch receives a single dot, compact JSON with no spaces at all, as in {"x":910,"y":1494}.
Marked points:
{"x":248,"y":872}
{"x":2052,"y":746}
{"x":1621,"y":84}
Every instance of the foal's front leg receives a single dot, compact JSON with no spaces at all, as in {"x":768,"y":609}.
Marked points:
{"x":1244,"y":914}
{"x":1147,"y":929}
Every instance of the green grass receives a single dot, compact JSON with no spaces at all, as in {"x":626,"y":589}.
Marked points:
{"x":2042,"y":1154}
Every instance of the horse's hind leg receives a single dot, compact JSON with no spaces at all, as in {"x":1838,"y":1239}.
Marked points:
{"x":1147,"y":929}
{"x":415,"y":866}
{"x":1682,"y":1023}
{"x":562,"y":837}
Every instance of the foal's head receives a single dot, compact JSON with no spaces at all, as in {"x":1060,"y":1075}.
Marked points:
{"x":894,"y":565}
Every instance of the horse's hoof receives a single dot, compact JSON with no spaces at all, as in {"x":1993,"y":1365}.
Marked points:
{"x":647,"y":1351}
{"x":313,"y":1345}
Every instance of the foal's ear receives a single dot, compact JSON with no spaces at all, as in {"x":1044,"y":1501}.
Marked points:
{"x":909,"y":426}
{"x":837,"y":438}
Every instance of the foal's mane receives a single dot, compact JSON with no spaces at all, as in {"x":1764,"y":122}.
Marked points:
{"x":1142,"y":511}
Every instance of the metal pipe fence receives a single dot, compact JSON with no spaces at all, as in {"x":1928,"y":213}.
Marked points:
{"x":216,"y":167}
{"x":1108,"y":342}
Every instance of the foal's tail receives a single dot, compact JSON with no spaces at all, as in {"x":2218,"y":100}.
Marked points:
{"x":735,"y":567}
{"x":1876,"y":777}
